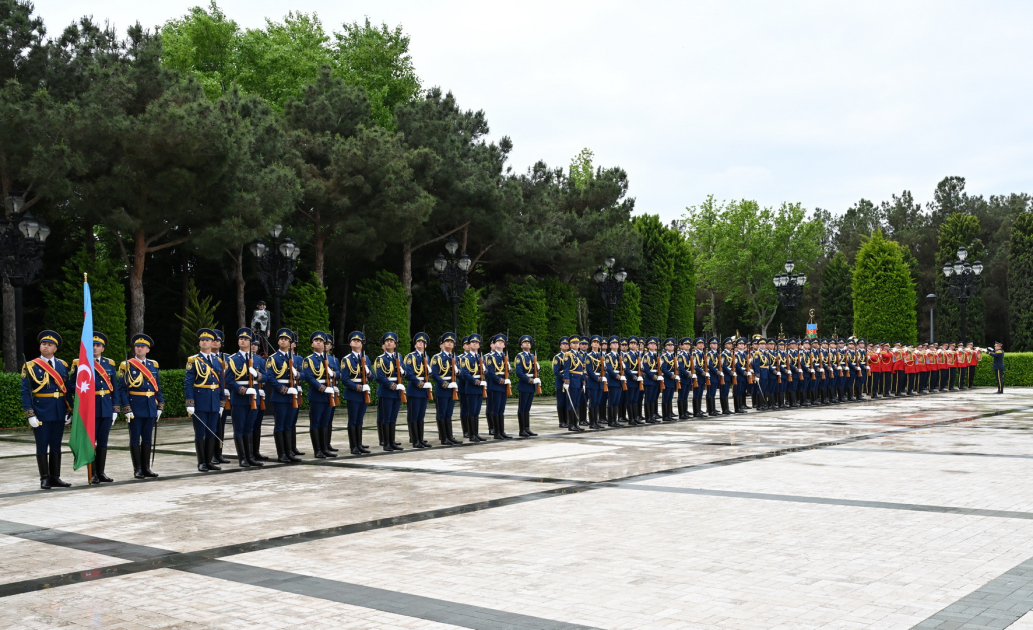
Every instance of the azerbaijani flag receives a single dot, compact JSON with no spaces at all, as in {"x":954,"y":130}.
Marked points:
{"x":83,"y":414}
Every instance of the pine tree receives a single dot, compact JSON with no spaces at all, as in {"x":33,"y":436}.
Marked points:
{"x":64,"y":301}
{"x":305,"y":311}
{"x":200,"y":313}
{"x":1020,"y":283}
{"x":682,"y":314}
{"x":958,"y":230}
{"x":837,"y":301}
{"x":627,"y":320}
{"x":884,"y":293}
{"x":381,"y":306}
{"x":657,"y":276}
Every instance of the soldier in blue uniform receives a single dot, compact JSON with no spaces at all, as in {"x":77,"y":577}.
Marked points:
{"x":106,"y":403}
{"x":713,"y":373}
{"x":139,"y":385}
{"x":44,"y":394}
{"x":243,"y":379}
{"x":613,"y":371}
{"x":631,"y":373}
{"x":651,"y":379}
{"x":685,"y":392}
{"x":263,"y":394}
{"x":742,"y":375}
{"x":669,"y":369}
{"x":416,"y":367}
{"x":284,"y":384}
{"x":698,"y":375}
{"x":794,"y":377}
{"x":472,"y":387}
{"x":582,"y":352}
{"x":557,"y":379}
{"x":335,"y":375}
{"x":862,"y":367}
{"x":495,"y":375}
{"x":389,"y":391}
{"x":356,"y":375}
{"x":316,"y":372}
{"x":203,"y":394}
{"x":572,"y":383}
{"x":444,"y":370}
{"x":727,"y":369}
{"x":997,"y":354}
{"x":594,"y":381}
{"x":526,"y":366}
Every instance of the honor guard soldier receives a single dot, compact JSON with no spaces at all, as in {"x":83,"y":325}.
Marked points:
{"x":713,"y":373}
{"x":203,"y":394}
{"x":44,"y":394}
{"x":686,"y":391}
{"x":743,"y":374}
{"x":106,"y":403}
{"x":472,"y":387}
{"x":256,"y":431}
{"x":528,"y":382}
{"x":335,"y":371}
{"x":496,"y":375}
{"x":572,"y":383}
{"x":416,"y":367}
{"x":727,"y":370}
{"x":582,"y":352}
{"x":388,"y":374}
{"x":852,"y":370}
{"x":652,"y":379}
{"x":444,"y":369}
{"x":862,"y":364}
{"x":632,"y":373}
{"x":316,"y":373}
{"x":698,"y":377}
{"x":613,"y":371}
{"x":594,"y":379}
{"x":243,"y":379}
{"x":997,"y":354}
{"x":669,"y":370}
{"x":225,"y":415}
{"x":144,"y":401}
{"x":356,"y":375}
{"x":557,"y":376}
{"x":284,"y":389}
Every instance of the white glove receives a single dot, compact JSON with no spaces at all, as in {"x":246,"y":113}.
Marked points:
{"x":538,"y":366}
{"x":336,"y":389}
{"x":114,"y":416}
{"x":190,"y":411}
{"x":295,"y":370}
{"x":640,"y":378}
{"x":159,"y":416}
{"x":538,"y":381}
{"x":129,"y":416}
{"x":226,"y":393}
{"x":365,"y":388}
{"x":292,"y":390}
{"x":453,"y":386}
{"x":261,"y":393}
{"x":253,"y":372}
{"x":250,"y":391}
{"x":68,"y":419}
{"x":566,"y":386}
{"x":484,"y":384}
{"x":330,"y":371}
{"x":427,"y":385}
{"x":33,"y":422}
{"x":677,"y":378}
{"x":695,"y":378}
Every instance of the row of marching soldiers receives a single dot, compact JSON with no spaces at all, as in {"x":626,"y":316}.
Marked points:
{"x":634,"y":380}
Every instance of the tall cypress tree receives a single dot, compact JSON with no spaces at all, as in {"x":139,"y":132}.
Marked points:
{"x":682,"y":313}
{"x":1020,"y":283}
{"x":837,"y":300}
{"x":562,"y":300}
{"x":958,"y":230}
{"x":627,"y":319}
{"x":884,"y":293}
{"x":305,"y":311}
{"x":657,"y":274}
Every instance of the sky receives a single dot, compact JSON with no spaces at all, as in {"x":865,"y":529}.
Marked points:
{"x":820,"y":103}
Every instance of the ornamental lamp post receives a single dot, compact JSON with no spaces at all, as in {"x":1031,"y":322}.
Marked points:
{"x":22,"y":238}
{"x":611,"y":286}
{"x":276,"y":264}
{"x":789,"y":288}
{"x":932,"y":307}
{"x":963,"y":283}
{"x":453,"y":274}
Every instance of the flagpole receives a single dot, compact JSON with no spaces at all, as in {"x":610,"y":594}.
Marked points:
{"x":89,"y":467}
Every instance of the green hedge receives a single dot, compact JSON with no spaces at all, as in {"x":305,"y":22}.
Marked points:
{"x":10,"y":400}
{"x":1018,"y":370}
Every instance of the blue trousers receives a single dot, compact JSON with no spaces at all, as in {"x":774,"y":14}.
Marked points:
{"x":668,"y":394}
{"x":686,"y":389}
{"x":616,"y":393}
{"x":318,"y":414}
{"x":573,"y":396}
{"x":524,"y":401}
{"x":208,"y":419}
{"x":444,"y":406}
{"x":387,"y":410}
{"x":256,"y":430}
{"x":652,"y":394}
{"x":282,"y":412}
{"x":697,"y":389}
{"x":712,"y":388}
{"x":141,"y":430}
{"x":356,"y":412}
{"x":102,"y":428}
{"x":496,"y":402}
{"x":416,"y":409}
{"x":48,"y":436}
{"x":243,"y":419}
{"x":595,"y":397}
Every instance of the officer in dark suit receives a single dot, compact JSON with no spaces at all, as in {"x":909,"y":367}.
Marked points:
{"x":106,"y":403}
{"x":389,"y":391}
{"x":998,"y":356}
{"x":526,"y":365}
{"x":244,"y":379}
{"x":44,"y":394}
{"x":284,"y":382}
{"x":140,"y":385}
{"x":357,"y":373}
{"x":557,"y":376}
{"x":572,"y":383}
{"x":203,"y":393}
{"x":335,"y":369}
{"x":444,"y":370}
{"x":471,"y":386}
{"x":495,"y":375}
{"x":316,"y":373}
{"x":416,"y":367}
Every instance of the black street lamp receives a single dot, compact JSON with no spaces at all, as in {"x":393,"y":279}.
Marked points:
{"x":932,"y":307}
{"x":789,"y":287}
{"x":22,"y":238}
{"x":276,"y":265}
{"x":453,"y":274}
{"x":963,"y":282}
{"x":611,"y":286}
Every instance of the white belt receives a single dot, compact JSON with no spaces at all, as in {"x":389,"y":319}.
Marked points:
{"x":446,"y":378}
{"x":356,"y":380}
{"x":284,"y":381}
{"x":244,"y":384}
{"x":392,"y":379}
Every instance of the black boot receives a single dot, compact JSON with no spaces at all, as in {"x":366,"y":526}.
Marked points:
{"x":473,"y":423}
{"x":202,"y":463}
{"x":326,"y":442}
{"x":466,"y":426}
{"x":353,"y":446}
{"x":221,"y":430}
{"x":419,"y":429}
{"x":562,"y":415}
{"x":491,"y":426}
{"x":527,"y":424}
{"x":381,"y":430}
{"x":55,"y":471}
{"x":294,"y":443}
{"x":391,"y":435}
{"x":327,"y":447}
{"x":724,"y":406}
{"x":145,"y":460}
{"x":290,"y":447}
{"x":209,"y":453}
{"x":520,"y":424}
{"x":414,"y":437}
{"x":281,"y":454}
{"x":572,"y":422}
{"x":44,"y":471}
{"x":100,"y":463}
{"x":256,"y":441}
{"x":249,"y":446}
{"x":317,"y":443}
{"x":243,"y":462}
{"x":613,"y":417}
{"x":451,"y":435}
{"x":134,"y":454}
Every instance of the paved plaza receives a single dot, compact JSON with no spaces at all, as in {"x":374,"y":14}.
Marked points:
{"x":908,"y":513}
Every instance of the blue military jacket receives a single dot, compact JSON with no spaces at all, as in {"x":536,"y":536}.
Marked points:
{"x":280,"y":376}
{"x":42,"y":396}
{"x":238,"y":377}
{"x":613,"y":363}
{"x":651,"y":369}
{"x":524,"y":366}
{"x":139,"y":395}
{"x":106,"y":395}
{"x":594,"y":370}
{"x":495,"y":371}
{"x":386,"y":375}
{"x":443,"y":369}
{"x":314,"y":373}
{"x":469,"y":373}
{"x":202,"y":383}
{"x":998,"y":356}
{"x":573,"y":368}
{"x":668,"y":367}
{"x":727,"y":361}
{"x":353,"y":367}
{"x":415,"y":374}
{"x":631,"y":365}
